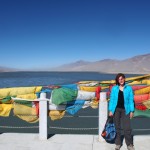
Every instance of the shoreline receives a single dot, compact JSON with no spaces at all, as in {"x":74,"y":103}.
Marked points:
{"x":115,"y":72}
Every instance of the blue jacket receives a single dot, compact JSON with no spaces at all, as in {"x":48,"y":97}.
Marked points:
{"x":128,"y":99}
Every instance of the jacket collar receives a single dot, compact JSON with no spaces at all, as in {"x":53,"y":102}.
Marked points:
{"x":124,"y":86}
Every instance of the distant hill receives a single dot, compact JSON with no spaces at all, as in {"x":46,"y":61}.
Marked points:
{"x":6,"y":69}
{"x":137,"y":64}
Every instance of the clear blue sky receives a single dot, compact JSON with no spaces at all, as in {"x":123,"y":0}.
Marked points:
{"x":36,"y":33}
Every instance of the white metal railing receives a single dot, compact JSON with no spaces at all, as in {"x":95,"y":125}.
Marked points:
{"x":103,"y":113}
{"x":43,"y":109}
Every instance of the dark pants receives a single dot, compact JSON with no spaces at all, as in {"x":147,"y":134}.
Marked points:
{"x":120,"y":116}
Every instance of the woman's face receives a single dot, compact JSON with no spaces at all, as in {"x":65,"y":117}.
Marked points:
{"x":121,"y":80}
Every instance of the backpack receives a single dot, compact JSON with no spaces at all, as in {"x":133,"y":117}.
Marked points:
{"x":109,"y":132}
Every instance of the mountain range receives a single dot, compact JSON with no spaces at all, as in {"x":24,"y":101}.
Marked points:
{"x":139,"y":64}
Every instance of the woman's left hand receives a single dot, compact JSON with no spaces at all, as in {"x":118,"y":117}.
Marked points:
{"x":131,"y":115}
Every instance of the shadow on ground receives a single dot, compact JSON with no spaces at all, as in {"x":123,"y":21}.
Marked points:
{"x":50,"y":135}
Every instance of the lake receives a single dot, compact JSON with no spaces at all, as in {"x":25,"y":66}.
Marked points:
{"x":16,"y":79}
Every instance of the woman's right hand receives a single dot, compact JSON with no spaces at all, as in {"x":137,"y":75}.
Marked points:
{"x":110,"y":114}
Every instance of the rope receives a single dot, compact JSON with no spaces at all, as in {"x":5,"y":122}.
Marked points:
{"x":59,"y":128}
{"x":67,"y":116}
{"x":62,"y":128}
{"x":24,"y":115}
{"x":12,"y":127}
{"x":141,"y":129}
{"x":81,"y":116}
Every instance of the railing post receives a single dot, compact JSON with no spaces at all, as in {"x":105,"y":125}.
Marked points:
{"x":103,"y":113}
{"x":43,"y":117}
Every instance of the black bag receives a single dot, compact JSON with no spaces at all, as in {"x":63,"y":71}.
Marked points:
{"x":109,"y":132}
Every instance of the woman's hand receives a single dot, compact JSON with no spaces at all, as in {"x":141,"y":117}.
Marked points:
{"x":110,"y":114}
{"x":131,"y":115}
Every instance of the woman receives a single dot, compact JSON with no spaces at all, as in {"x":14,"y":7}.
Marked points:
{"x":121,"y":105}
